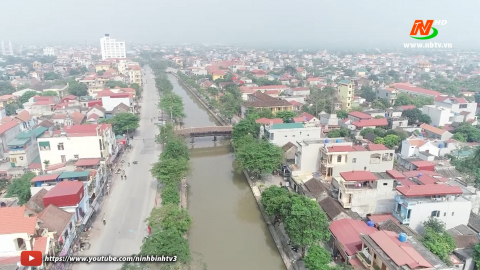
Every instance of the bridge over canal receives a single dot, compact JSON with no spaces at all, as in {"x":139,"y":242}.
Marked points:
{"x":205,"y":131}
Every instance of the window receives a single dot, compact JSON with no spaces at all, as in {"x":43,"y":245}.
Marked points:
{"x":435,"y":213}
{"x":453,"y":213}
{"x":385,"y":184}
{"x":463,"y":106}
{"x":354,"y":160}
{"x":339,"y":158}
{"x":445,"y":214}
{"x":293,"y":135}
{"x":75,"y":156}
{"x":21,"y":158}
{"x":60,"y":146}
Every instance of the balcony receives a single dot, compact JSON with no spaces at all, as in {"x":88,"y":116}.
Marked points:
{"x":351,"y":187}
{"x":364,"y":260}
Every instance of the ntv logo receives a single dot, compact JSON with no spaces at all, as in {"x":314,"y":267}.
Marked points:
{"x":424,"y":28}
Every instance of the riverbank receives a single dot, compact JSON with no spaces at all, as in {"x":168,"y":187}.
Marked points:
{"x":254,"y":189}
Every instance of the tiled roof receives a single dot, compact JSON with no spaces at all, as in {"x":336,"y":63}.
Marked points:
{"x":341,"y":148}
{"x":267,"y":121}
{"x":358,"y":176}
{"x":376,"y":122}
{"x":331,"y":207}
{"x":347,"y":232}
{"x":433,"y":129}
{"x":429,"y":190}
{"x":315,"y":187}
{"x":360,"y":115}
{"x":412,"y":88}
{"x":56,"y":166}
{"x":45,"y":177}
{"x":87,"y":162}
{"x":55,"y":219}
{"x":40,"y":244}
{"x":14,"y":221}
{"x":24,"y":116}
{"x":6,"y":126}
{"x":377,"y":147}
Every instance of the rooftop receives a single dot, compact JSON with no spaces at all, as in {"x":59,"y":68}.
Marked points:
{"x":347,"y":232}
{"x":14,"y":221}
{"x":429,"y":190}
{"x":358,"y":176}
{"x":287,"y":126}
{"x":64,"y":188}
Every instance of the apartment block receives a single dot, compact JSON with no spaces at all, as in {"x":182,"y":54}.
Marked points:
{"x":346,"y":93}
{"x":281,"y":134}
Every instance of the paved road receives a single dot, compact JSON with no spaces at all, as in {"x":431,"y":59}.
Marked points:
{"x":130,"y":201}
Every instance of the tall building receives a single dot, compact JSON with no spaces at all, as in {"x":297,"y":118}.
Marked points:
{"x":345,"y":93}
{"x":10,"y":48}
{"x":50,"y":51}
{"x":112,"y":48}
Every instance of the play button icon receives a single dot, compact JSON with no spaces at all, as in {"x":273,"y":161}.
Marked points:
{"x":31,"y":258}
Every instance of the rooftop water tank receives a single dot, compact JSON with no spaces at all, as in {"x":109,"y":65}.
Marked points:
{"x":440,"y":145}
{"x":402,"y":237}
{"x":420,"y":174}
{"x":338,"y":140}
{"x":370,"y":223}
{"x":326,"y":140}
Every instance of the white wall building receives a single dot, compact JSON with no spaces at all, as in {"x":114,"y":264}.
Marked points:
{"x":110,"y":102}
{"x":49,"y":51}
{"x":111,"y":48}
{"x":281,"y":134}
{"x":440,"y":116}
{"x":70,"y":144}
{"x":412,"y":147}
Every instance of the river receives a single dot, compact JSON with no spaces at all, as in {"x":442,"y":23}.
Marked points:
{"x":228,"y":230}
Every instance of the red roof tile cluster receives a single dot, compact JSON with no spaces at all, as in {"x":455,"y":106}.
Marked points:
{"x":14,"y":221}
{"x":402,"y":253}
{"x":45,"y":177}
{"x":433,"y":129}
{"x":360,"y":115}
{"x":451,"y":99}
{"x":412,"y":88}
{"x":429,"y":190}
{"x":40,"y":244}
{"x":87,"y":162}
{"x":375,"y":122}
{"x":347,"y":232}
{"x":395,"y":174}
{"x":7,"y":126}
{"x":267,"y":121}
{"x":358,"y":176}
{"x":348,"y":148}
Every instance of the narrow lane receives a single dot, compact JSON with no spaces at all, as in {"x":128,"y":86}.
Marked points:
{"x":131,"y":200}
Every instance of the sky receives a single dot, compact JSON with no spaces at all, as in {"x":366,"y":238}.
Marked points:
{"x":258,"y":23}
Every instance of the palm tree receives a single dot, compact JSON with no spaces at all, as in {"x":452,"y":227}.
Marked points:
{"x":46,"y":163}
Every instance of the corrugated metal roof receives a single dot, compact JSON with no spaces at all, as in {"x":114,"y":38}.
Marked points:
{"x":287,"y":126}
{"x":65,"y":175}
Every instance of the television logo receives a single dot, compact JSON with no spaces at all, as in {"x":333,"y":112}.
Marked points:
{"x":424,"y":29}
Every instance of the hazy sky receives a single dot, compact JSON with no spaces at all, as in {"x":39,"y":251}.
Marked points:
{"x":275,"y":23}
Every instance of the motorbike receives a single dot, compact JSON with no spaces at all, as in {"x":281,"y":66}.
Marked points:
{"x":135,"y":162}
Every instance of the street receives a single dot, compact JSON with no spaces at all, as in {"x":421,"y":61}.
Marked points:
{"x":130,"y":201}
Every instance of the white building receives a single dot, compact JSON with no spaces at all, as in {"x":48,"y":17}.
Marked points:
{"x":415,"y":146}
{"x":112,"y":48}
{"x":281,"y":134}
{"x":112,"y":101}
{"x":49,"y":51}
{"x":416,"y":203}
{"x":70,"y":144}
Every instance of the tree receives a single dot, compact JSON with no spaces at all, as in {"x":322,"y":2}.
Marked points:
{"x":468,"y":132}
{"x":437,"y":240}
{"x":276,"y":201}
{"x":20,"y":187}
{"x":46,"y":163}
{"x":175,"y":148}
{"x":213,"y":91}
{"x":366,"y":131}
{"x":78,"y":89}
{"x":342,"y":114}
{"x":259,"y":157}
{"x":306,"y":224}
{"x":172,"y":104}
{"x":49,"y":94}
{"x":51,"y":76}
{"x":21,"y":74}
{"x":243,"y":128}
{"x":168,"y":243}
{"x":391,"y":140}
{"x":476,"y":255}
{"x":113,"y":84}
{"x":367,"y":93}
{"x":317,"y":258}
{"x":74,"y":72}
{"x":100,"y":72}
{"x":83,"y":70}
{"x":170,"y":170}
{"x":415,"y":115}
{"x":6,"y":88}
{"x":26,"y":96}
{"x":123,"y":123}
{"x":379,"y":140}
{"x":166,"y":133}
{"x":285,"y":115}
{"x":373,"y":77}
{"x":11,"y":108}
{"x":338,"y":133}
{"x":381,"y":103}
{"x":424,"y":118}
{"x":170,"y":217}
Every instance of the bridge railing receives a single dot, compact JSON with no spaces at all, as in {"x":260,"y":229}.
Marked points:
{"x":204,"y":129}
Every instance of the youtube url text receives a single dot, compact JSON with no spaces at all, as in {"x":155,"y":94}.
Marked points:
{"x":90,"y":259}
{"x":428,"y":45}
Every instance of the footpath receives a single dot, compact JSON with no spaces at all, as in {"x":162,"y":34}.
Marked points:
{"x":289,"y":257}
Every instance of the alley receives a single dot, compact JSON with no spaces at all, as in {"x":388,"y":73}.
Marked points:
{"x":130,"y":201}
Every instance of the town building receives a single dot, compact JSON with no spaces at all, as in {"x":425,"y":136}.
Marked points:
{"x":365,"y":192}
{"x":24,"y":148}
{"x":61,"y":227}
{"x":49,"y":51}
{"x":70,"y":197}
{"x":69,"y":144}
{"x":387,"y":93}
{"x":436,"y":133}
{"x":281,"y":134}
{"x":413,"y":91}
{"x":346,"y":93}
{"x":111,"y":48}
{"x":8,"y":131}
{"x":261,"y":101}
{"x":420,"y":147}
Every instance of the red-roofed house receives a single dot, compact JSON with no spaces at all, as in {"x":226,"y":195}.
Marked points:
{"x":69,"y":196}
{"x":415,"y":91}
{"x":339,"y":158}
{"x":268,"y":121}
{"x":365,"y":192}
{"x":370,"y":123}
{"x":19,"y":231}
{"x":346,"y":237}
{"x":387,"y":250}
{"x":436,"y":133}
{"x":62,"y":223}
{"x":416,"y":203}
{"x":358,"y":116}
{"x":457,"y":105}
{"x":8,"y":131}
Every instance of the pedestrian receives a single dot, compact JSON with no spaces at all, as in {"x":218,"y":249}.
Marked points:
{"x":104,"y":222}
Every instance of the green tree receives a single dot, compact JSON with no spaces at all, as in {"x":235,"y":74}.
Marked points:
{"x":123,"y":123}
{"x":317,"y":258}
{"x":285,"y":115}
{"x":170,"y":217}
{"x":74,"y":72}
{"x":367,"y":93}
{"x":243,"y":128}
{"x":48,"y":94}
{"x":367,"y":131}
{"x":173,"y":105}
{"x":276,"y":201}
{"x":424,"y":118}
{"x":168,"y":243}
{"x":259,"y":157}
{"x":11,"y":108}
{"x":476,"y":255}
{"x":100,"y":72}
{"x":21,"y":74}
{"x":373,"y":77}
{"x":26,"y":96}
{"x":51,"y":76}
{"x":113,"y":84}
{"x":213,"y":91}
{"x":6,"y":88}
{"x":437,"y":240}
{"x":391,"y":140}
{"x":468,"y":132}
{"x":175,"y":148}
{"x":170,"y":170}
{"x":379,"y":140}
{"x":20,"y":188}
{"x":342,"y":114}
{"x":78,"y":89}
{"x":306,"y":224}
{"x":338,"y":133}
{"x":166,"y":133}
{"x":381,"y":103}
{"x":415,"y":115}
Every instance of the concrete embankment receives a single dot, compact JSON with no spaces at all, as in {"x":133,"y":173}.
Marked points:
{"x":255,"y":190}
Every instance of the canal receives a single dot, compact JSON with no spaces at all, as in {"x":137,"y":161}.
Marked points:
{"x":228,"y":230}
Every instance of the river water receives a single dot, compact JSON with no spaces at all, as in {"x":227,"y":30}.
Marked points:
{"x":228,"y":230}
